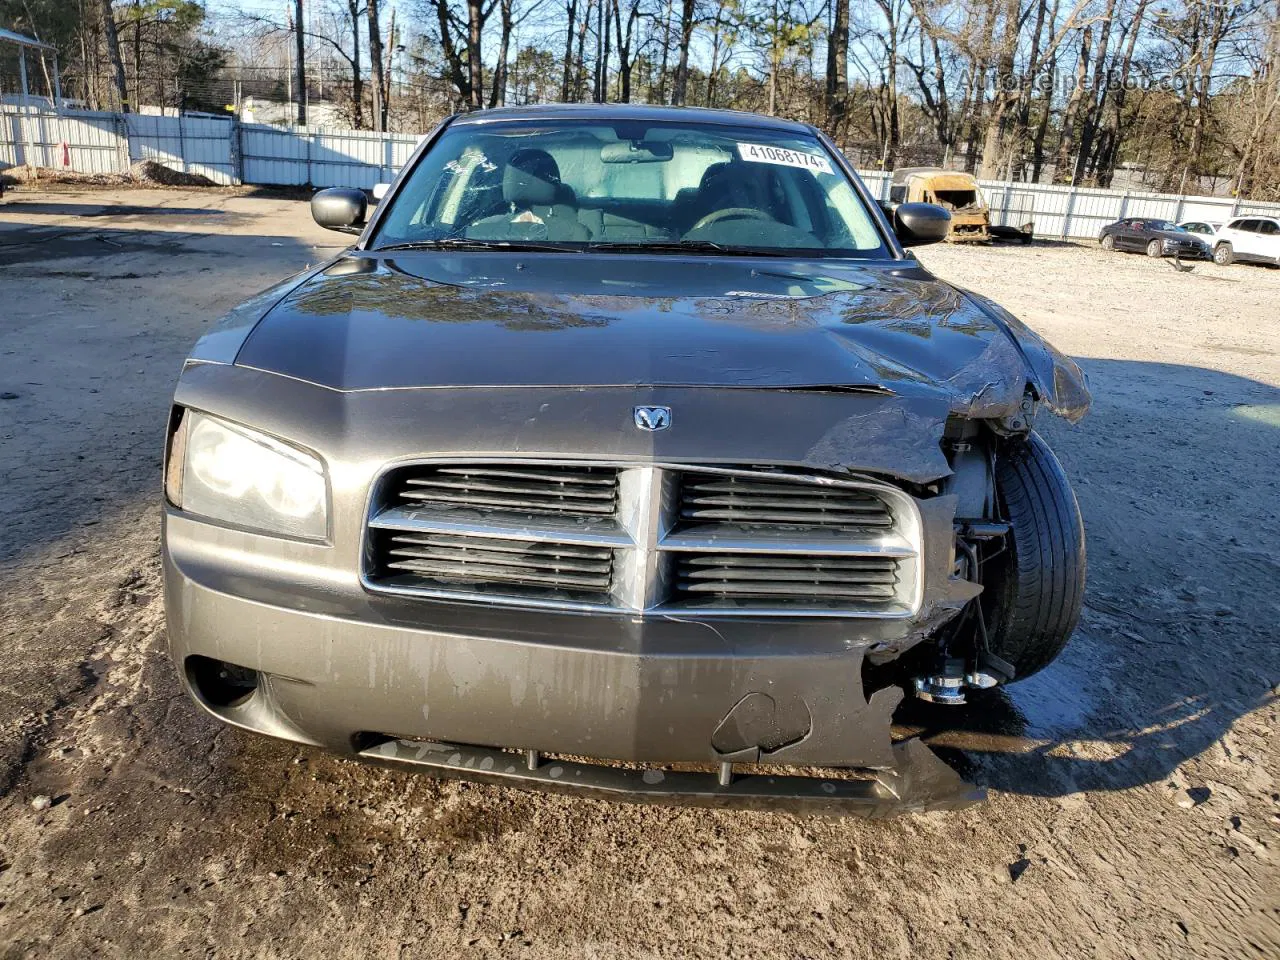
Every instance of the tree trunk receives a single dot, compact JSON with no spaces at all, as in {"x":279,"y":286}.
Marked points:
{"x":681,"y":84}
{"x":475,"y":65}
{"x":498,"y":97}
{"x":666,"y":47}
{"x":624,"y":50}
{"x":1042,"y":128}
{"x":1092,"y":118}
{"x":838,"y":71}
{"x":571,"y":13}
{"x":1113,"y":130}
{"x":459,"y":72}
{"x":389,"y":48}
{"x":994,"y":141}
{"x":1063,"y":169}
{"x":137,"y":57}
{"x":580,"y":82}
{"x":375,"y":64}
{"x":357,"y":80}
{"x":602,"y":24}
{"x":300,"y":64}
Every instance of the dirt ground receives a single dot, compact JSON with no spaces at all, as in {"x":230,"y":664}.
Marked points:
{"x":1134,"y":809}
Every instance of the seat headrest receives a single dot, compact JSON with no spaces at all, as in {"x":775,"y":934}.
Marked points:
{"x":531,"y":179}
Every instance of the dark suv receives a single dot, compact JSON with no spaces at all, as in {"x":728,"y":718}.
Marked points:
{"x":621,"y":434}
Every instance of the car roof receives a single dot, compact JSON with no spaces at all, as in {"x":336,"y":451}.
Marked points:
{"x":604,"y":112}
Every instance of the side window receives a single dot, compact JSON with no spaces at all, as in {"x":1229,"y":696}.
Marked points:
{"x":898,"y":193}
{"x":1250,"y":226}
{"x":1268,"y":228}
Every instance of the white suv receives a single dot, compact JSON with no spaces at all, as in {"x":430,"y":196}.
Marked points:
{"x":1256,"y":239}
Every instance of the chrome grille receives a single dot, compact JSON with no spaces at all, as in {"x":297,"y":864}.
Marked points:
{"x":751,"y":501}
{"x":785,"y":578}
{"x":646,"y":538}
{"x":452,"y":561}
{"x":553,"y":489}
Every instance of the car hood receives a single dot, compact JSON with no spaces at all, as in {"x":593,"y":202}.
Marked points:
{"x":431,"y":319}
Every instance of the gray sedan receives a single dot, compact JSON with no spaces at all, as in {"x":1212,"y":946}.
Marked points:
{"x":1154,"y":237}
{"x":621,"y":434}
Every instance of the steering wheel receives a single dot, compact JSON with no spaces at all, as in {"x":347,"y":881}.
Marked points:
{"x":731,"y":213}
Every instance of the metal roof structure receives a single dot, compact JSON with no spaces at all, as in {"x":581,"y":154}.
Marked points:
{"x":24,"y":43}
{"x":18,"y":38}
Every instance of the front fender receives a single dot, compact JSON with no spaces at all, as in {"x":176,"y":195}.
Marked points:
{"x":1058,"y":381}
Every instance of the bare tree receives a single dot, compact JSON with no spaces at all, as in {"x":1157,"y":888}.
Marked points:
{"x":113,"y":54}
{"x":680,"y":86}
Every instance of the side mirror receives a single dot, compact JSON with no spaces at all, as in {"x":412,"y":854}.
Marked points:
{"x":919,"y":223}
{"x":340,"y":208}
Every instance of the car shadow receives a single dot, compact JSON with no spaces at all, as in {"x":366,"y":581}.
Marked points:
{"x":1175,"y":472}
{"x":16,"y":206}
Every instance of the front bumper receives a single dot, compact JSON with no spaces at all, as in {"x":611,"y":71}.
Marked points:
{"x":451,"y":688}
{"x":1187,"y":251}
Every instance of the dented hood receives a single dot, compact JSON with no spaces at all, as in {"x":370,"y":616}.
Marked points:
{"x":430,"y":319}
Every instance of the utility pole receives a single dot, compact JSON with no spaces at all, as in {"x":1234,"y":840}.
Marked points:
{"x":299,"y":66}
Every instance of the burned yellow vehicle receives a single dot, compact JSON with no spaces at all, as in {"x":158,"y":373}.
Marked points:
{"x":958,"y":193}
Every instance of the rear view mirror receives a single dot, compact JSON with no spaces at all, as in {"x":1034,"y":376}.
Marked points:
{"x":340,"y":208}
{"x":919,"y":223}
{"x":636,"y":151}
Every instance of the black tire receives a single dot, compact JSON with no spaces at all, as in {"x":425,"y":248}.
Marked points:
{"x":1223,"y":255}
{"x":1035,"y":591}
{"x":1108,"y":243}
{"x":1155,"y":249}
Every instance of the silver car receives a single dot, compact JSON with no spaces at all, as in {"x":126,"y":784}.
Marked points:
{"x":627,"y":452}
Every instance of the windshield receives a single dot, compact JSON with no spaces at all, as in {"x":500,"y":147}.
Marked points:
{"x":569,"y":185}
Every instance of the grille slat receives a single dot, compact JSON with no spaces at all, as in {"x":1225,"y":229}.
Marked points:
{"x":569,"y":491}
{"x":476,"y":561}
{"x":507,"y":559}
{"x":425,"y":487}
{"x":514,"y":504}
{"x":602,"y":476}
{"x":743,"y":578}
{"x":749,"y":501}
{"x":494,"y":545}
{"x":480,"y":573}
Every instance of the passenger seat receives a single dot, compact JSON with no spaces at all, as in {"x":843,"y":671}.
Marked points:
{"x":531,"y":185}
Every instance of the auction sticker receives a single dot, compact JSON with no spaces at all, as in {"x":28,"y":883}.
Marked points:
{"x":763,"y":153}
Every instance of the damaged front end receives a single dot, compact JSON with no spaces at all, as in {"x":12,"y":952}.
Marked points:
{"x":527,"y":581}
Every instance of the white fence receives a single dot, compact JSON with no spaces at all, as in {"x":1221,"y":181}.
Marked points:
{"x":228,"y":151}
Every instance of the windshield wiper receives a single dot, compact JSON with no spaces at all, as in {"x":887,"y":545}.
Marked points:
{"x":683,"y":246}
{"x":464,"y":243}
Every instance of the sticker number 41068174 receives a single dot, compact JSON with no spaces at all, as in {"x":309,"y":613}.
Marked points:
{"x":763,"y":153}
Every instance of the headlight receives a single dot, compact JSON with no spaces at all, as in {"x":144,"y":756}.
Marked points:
{"x":242,"y":477}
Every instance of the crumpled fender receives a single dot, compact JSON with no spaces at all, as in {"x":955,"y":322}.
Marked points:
{"x":1059,"y":382}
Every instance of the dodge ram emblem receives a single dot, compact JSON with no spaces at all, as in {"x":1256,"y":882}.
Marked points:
{"x":653,"y":418}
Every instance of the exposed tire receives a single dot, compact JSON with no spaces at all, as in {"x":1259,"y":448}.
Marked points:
{"x":1155,"y":249}
{"x":1108,"y":243}
{"x":1036,"y":587}
{"x":1223,"y":255}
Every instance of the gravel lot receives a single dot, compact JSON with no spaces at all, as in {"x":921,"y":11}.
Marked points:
{"x":1134,"y":808}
